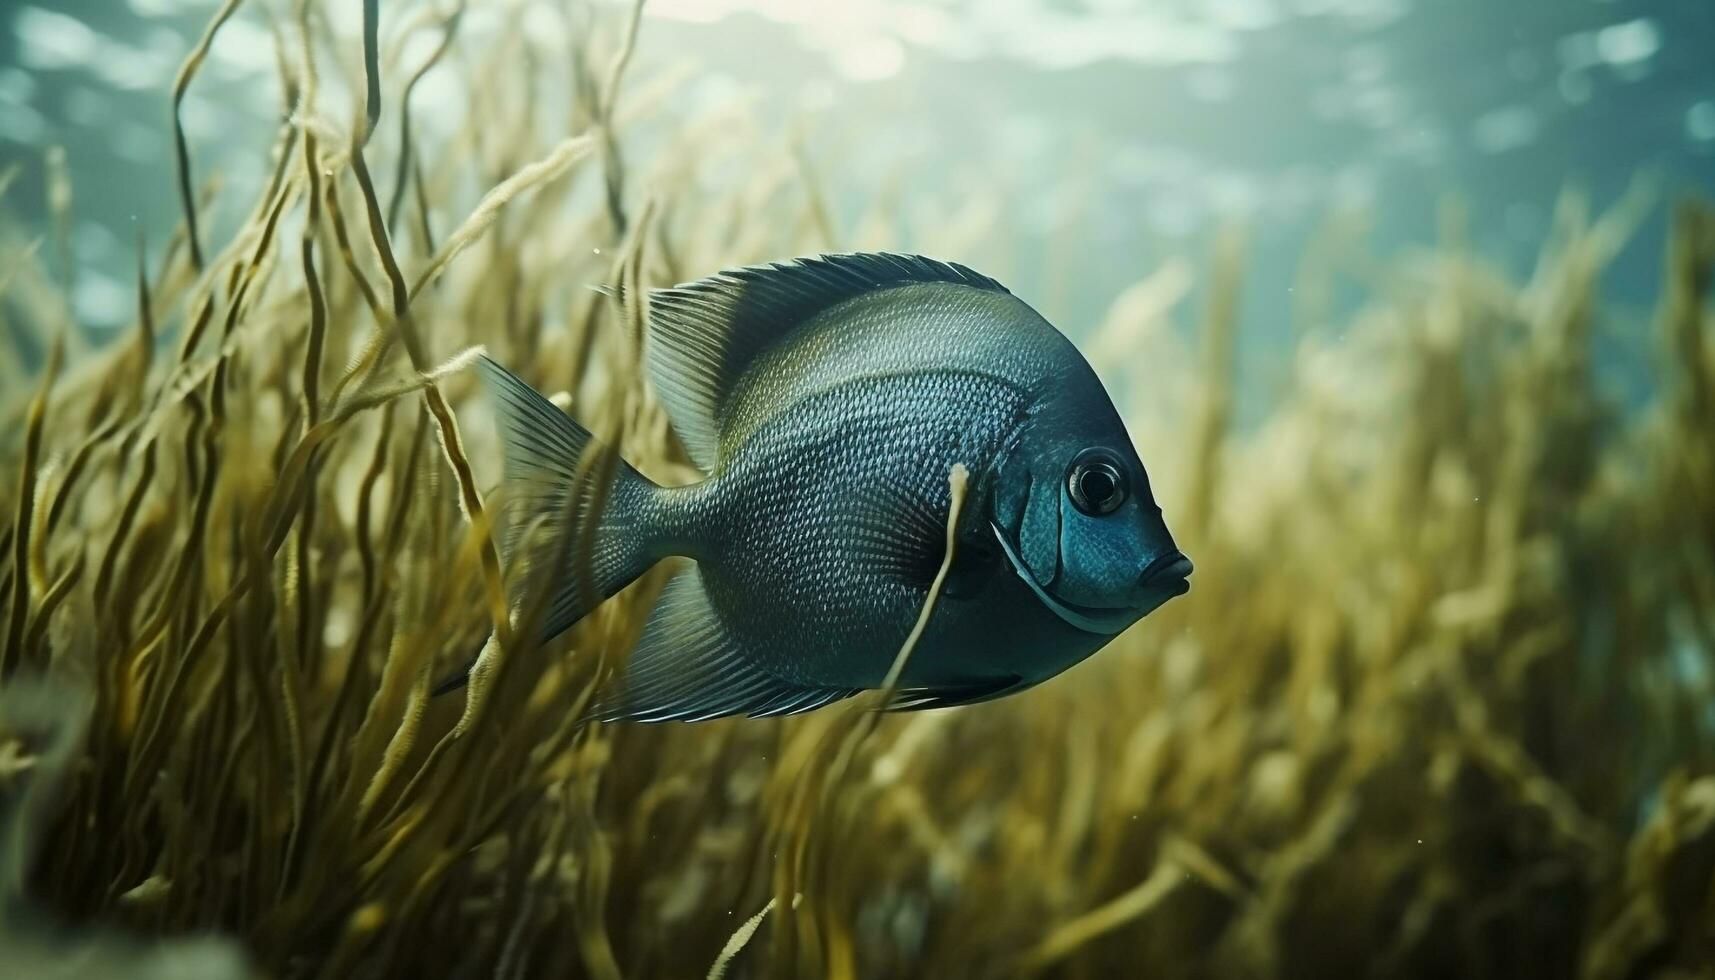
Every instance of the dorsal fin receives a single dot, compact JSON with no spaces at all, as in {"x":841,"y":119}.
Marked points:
{"x":704,"y":334}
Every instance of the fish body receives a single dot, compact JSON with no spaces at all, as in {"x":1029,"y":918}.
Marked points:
{"x":827,"y":401}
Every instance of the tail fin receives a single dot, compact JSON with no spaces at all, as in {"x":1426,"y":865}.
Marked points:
{"x":543,"y":448}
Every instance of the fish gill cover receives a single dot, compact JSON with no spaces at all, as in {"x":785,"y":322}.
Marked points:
{"x":1439,"y":704}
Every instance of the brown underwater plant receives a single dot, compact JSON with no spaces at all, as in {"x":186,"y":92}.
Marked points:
{"x":1437,"y":706}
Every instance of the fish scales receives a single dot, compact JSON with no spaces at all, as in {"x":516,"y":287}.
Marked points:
{"x":826,"y":400}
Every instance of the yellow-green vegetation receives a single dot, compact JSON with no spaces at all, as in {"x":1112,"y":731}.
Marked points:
{"x":1438,"y":704}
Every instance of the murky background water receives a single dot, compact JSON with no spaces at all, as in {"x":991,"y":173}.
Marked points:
{"x":1121,"y":133}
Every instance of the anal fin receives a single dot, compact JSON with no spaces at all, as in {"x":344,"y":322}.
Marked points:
{"x":689,"y":667}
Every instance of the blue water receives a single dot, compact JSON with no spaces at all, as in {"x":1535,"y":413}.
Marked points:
{"x":1120,"y":134}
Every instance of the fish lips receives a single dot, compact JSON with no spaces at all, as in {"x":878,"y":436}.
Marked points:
{"x":1167,"y":576}
{"x":1104,"y":622}
{"x":1156,"y":594}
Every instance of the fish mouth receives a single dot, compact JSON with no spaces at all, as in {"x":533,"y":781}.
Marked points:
{"x":1090,"y":619}
{"x":1169,"y":575}
{"x":1169,"y":571}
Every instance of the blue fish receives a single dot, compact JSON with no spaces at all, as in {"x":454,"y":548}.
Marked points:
{"x":826,"y":400}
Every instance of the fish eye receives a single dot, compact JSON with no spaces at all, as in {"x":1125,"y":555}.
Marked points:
{"x":1096,"y":482}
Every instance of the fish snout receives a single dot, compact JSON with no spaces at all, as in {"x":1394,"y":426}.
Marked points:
{"x":1168,"y":572}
